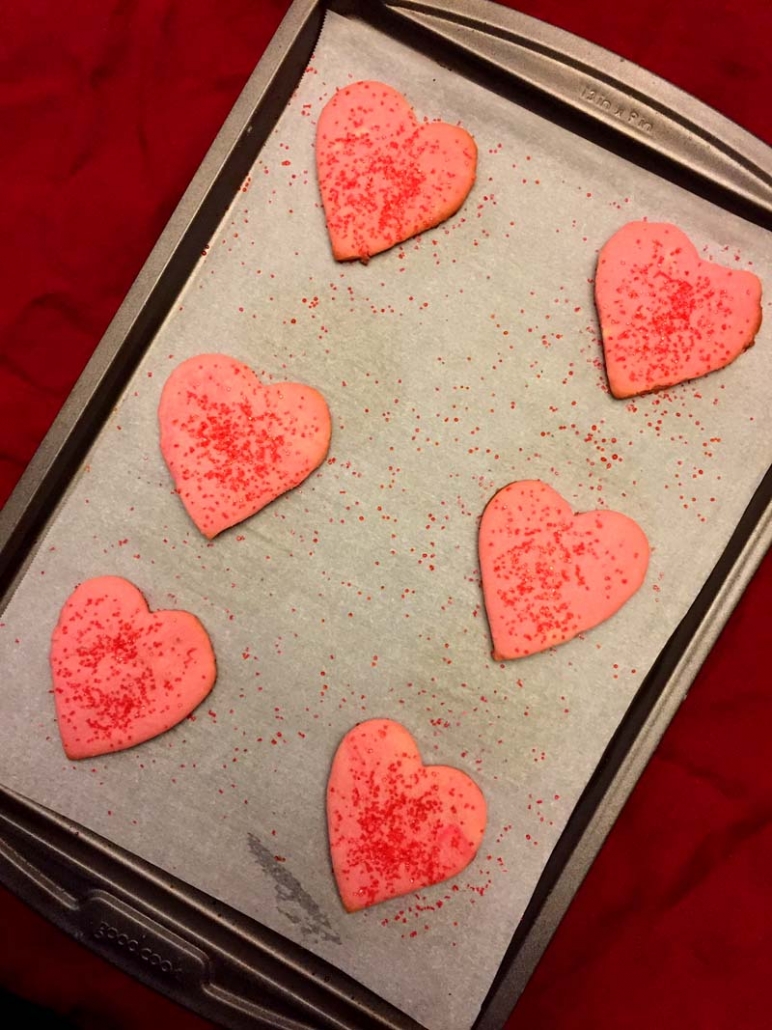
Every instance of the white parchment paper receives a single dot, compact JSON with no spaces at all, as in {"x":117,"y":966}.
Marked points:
{"x":452,"y":365}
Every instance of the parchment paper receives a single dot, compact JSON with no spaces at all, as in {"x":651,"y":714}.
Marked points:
{"x":452,"y":365}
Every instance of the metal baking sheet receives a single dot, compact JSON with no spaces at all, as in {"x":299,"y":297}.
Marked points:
{"x":452,"y":365}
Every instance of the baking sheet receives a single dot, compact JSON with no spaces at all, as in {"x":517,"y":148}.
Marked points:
{"x":452,"y":366}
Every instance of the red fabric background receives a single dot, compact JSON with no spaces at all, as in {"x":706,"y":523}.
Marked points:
{"x":106,"y":109}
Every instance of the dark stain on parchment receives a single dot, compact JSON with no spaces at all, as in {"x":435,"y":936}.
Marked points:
{"x":293,"y":901}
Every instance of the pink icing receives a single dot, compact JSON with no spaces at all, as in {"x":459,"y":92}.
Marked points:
{"x":395,"y":824}
{"x":665,"y":314}
{"x":383,"y":177}
{"x":233,"y":445}
{"x":123,"y":674}
{"x":549,"y":574}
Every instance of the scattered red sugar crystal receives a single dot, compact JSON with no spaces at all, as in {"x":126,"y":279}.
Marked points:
{"x":665,"y":314}
{"x":383,"y":176}
{"x":395,"y":824}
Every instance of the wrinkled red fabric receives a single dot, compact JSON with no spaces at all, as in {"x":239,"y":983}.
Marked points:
{"x":107,"y":107}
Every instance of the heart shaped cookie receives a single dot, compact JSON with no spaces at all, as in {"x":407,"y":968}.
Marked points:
{"x":123,"y":674}
{"x":395,"y":824}
{"x":665,"y":314}
{"x":233,"y":445}
{"x":383,"y":177}
{"x":548,"y":574}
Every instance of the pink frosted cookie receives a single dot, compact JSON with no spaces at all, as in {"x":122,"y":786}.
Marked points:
{"x":395,"y":824}
{"x":548,"y":574}
{"x":665,"y":314}
{"x":383,"y":176}
{"x":233,"y":445}
{"x":123,"y":674}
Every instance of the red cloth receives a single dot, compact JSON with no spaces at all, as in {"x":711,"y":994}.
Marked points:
{"x":107,"y":107}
